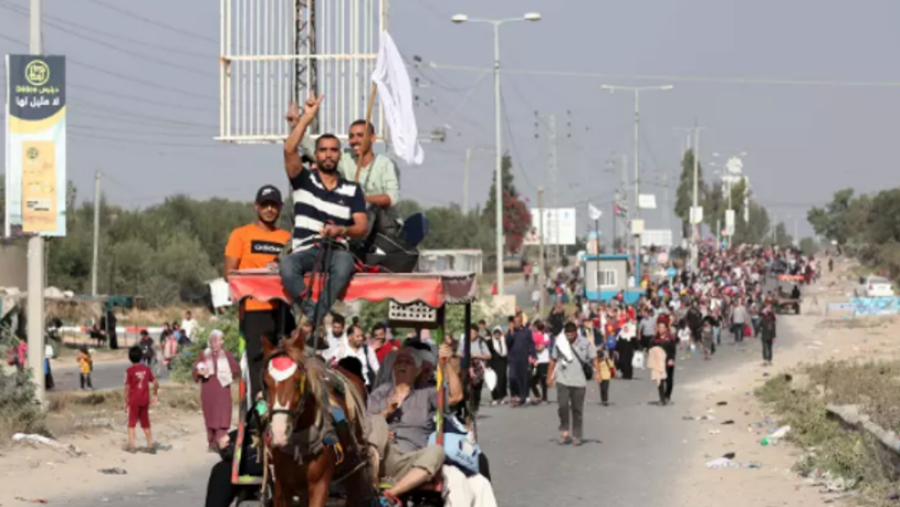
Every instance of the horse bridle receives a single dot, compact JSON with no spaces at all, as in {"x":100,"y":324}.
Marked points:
{"x":293,"y":415}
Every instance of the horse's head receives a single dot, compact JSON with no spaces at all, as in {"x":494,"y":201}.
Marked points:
{"x":285,"y":383}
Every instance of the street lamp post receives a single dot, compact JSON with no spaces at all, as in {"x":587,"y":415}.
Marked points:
{"x":498,"y":183}
{"x":636,"y":213}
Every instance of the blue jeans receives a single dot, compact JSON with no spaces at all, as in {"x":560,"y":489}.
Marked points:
{"x":297,"y":265}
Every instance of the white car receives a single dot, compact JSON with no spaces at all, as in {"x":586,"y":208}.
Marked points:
{"x":874,"y":287}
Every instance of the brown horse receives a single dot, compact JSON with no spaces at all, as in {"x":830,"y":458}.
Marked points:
{"x":306,"y":401}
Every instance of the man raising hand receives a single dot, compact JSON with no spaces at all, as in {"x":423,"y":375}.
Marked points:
{"x":327,"y":208}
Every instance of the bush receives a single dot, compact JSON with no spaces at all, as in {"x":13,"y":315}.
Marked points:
{"x":831,"y":447}
{"x":18,"y":410}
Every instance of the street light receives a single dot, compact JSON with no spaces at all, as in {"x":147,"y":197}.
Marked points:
{"x":498,"y":184}
{"x":637,"y":121}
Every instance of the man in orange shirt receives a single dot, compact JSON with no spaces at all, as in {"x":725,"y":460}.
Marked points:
{"x":258,"y":245}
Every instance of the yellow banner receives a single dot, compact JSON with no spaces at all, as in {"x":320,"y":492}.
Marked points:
{"x":39,"y":186}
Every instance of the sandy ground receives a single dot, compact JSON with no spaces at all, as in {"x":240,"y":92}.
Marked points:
{"x":816,"y":338}
{"x":33,"y":472}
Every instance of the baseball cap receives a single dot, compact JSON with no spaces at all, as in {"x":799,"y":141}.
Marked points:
{"x":269,"y":193}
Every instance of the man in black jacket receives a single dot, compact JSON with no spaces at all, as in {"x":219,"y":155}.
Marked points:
{"x":520,"y":343}
{"x":557,"y":319}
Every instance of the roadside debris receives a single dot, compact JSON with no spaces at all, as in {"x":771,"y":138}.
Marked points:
{"x":113,"y":471}
{"x":31,"y":500}
{"x":23,"y":438}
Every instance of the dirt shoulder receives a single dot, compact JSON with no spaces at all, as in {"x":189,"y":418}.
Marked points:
{"x":37,"y":471}
{"x":763,"y":475}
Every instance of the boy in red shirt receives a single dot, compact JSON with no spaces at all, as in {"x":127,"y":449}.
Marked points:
{"x":138,"y":380}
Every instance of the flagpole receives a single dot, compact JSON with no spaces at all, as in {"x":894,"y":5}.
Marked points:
{"x":368,"y":127}
{"x":614,"y":251}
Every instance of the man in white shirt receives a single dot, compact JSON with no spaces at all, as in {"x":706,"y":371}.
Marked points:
{"x":354,"y":346}
{"x":336,"y":336}
{"x":189,"y":325}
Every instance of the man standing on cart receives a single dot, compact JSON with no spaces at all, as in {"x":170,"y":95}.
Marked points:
{"x":328,"y":210}
{"x":257,"y":245}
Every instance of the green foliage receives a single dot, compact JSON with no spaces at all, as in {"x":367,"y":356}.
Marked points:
{"x":809,"y":246}
{"x":18,"y":410}
{"x":165,"y":253}
{"x":516,"y":216}
{"x":455,"y":318}
{"x":684,"y":196}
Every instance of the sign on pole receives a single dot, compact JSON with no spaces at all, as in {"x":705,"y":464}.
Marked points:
{"x":696,"y":215}
{"x":557,"y":227}
{"x":729,"y":222}
{"x":647,"y":201}
{"x":35,"y":145}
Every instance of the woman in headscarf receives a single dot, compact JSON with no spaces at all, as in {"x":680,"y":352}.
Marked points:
{"x":661,"y":361}
{"x":496,"y":345}
{"x":215,"y":370}
{"x":170,"y":348}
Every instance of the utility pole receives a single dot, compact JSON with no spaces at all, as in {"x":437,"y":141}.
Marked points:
{"x":35,"y":298}
{"x":542,"y":273}
{"x":796,"y":237}
{"x":96,"y":258}
{"x":465,"y":205}
{"x":695,"y":226}
{"x":552,"y":179}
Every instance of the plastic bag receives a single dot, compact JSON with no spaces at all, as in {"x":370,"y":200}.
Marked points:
{"x":637,"y":362}
{"x":490,"y":378}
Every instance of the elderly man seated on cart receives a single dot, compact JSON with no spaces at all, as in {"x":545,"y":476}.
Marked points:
{"x":402,"y":415}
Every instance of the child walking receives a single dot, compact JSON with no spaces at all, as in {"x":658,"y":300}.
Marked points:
{"x":607,"y":372}
{"x":138,"y":380}
{"x":86,"y":366}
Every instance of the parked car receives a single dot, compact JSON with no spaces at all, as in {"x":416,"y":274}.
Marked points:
{"x":874,"y":287}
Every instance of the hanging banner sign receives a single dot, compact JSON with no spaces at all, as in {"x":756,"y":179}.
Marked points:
{"x":35,"y":145}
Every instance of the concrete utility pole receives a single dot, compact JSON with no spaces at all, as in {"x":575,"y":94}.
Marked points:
{"x":695,"y":227}
{"x":35,"y":299}
{"x":637,"y":130}
{"x":96,"y":258}
{"x":465,"y":205}
{"x":498,"y":118}
{"x":542,"y":273}
{"x":553,"y":186}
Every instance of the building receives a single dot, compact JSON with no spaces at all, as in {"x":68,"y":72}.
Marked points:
{"x":607,"y":275}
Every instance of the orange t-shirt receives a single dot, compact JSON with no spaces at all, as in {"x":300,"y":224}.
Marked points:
{"x":255,"y":248}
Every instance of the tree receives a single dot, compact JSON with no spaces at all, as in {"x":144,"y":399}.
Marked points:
{"x":516,"y":215}
{"x":782,"y":238}
{"x":685,"y":194}
{"x":830,"y":221}
{"x":809,"y":246}
{"x":754,"y":231}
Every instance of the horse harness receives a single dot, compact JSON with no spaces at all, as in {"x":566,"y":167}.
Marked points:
{"x":327,"y":430}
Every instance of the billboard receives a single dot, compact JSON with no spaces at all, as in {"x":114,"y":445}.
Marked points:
{"x":35,"y":145}
{"x":557,"y":226}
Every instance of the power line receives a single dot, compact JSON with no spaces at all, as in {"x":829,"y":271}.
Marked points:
{"x":145,"y":19}
{"x":22,"y":12}
{"x":687,"y":79}
{"x":143,"y":142}
{"x":512,"y":142}
{"x":130,"y":116}
{"x":117,"y":75}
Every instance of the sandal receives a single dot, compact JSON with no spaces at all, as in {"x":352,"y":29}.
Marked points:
{"x":576,"y":442}
{"x":565,"y":439}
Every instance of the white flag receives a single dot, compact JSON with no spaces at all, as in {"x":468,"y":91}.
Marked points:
{"x":594,"y":213}
{"x":395,"y":92}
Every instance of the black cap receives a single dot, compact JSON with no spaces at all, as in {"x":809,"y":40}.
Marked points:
{"x":269,"y":193}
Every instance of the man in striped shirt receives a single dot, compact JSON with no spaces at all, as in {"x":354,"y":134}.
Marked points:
{"x":327,"y":208}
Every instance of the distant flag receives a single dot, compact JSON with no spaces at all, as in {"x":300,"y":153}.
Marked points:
{"x":594,"y":213}
{"x":620,"y":210}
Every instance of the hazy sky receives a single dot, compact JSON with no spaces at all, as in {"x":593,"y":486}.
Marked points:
{"x":803,"y":141}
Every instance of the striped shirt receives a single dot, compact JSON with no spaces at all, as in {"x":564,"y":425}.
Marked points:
{"x":315,"y":206}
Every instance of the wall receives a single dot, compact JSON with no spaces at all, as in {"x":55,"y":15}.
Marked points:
{"x":14,"y":263}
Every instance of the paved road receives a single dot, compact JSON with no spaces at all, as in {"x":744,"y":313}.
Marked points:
{"x":632,"y":455}
{"x":105,"y":376}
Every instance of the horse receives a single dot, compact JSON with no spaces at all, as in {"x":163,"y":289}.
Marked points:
{"x":316,"y":428}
